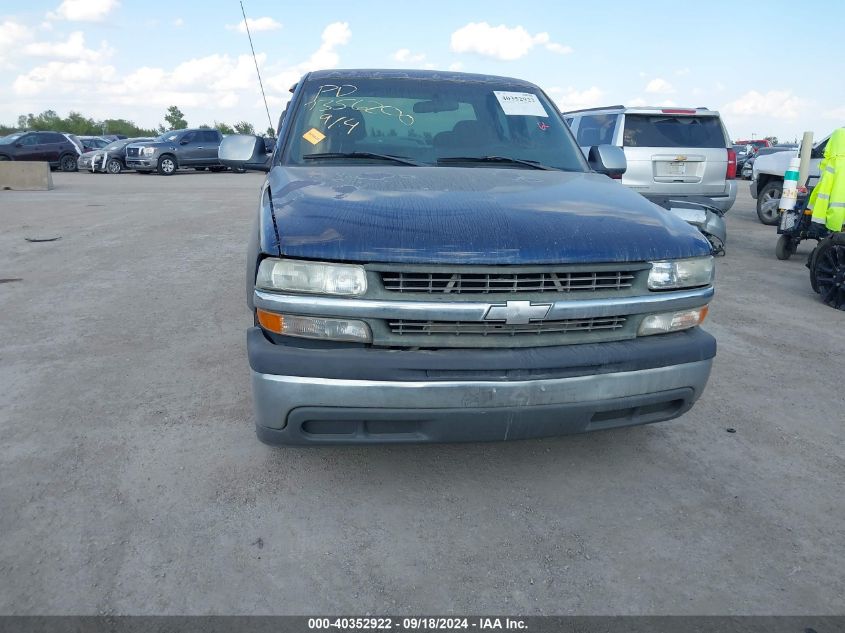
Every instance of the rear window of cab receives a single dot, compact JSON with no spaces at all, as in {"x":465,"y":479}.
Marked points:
{"x":662,"y":130}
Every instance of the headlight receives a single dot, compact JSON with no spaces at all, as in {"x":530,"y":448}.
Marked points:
{"x":311,"y":277}
{"x":681,"y":273}
{"x":148,"y":151}
{"x":315,"y":327}
{"x":672,"y":321}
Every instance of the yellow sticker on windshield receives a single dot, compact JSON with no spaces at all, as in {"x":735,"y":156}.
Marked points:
{"x":313,"y":136}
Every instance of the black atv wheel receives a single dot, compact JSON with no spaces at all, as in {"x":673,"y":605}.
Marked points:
{"x":827,"y":271}
{"x":786,"y":247}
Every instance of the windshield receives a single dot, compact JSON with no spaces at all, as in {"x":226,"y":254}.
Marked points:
{"x":117,"y":145}
{"x":11,"y":138}
{"x":425,"y":121}
{"x":167,"y":137}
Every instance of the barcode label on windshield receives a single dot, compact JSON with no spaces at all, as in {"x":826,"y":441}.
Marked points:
{"x":520,"y":103}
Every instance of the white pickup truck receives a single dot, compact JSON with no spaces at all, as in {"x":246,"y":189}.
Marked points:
{"x":767,"y":179}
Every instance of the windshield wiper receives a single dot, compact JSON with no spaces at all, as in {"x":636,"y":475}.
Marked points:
{"x":396,"y":159}
{"x":533,"y":164}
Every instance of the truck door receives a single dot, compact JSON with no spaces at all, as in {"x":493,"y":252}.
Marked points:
{"x":208,"y":142}
{"x":188,"y":149}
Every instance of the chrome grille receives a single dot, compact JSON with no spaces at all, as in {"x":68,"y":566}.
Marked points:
{"x":457,"y":328}
{"x":490,"y":283}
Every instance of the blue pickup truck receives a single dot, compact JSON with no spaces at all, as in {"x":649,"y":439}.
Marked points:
{"x":434,"y":259}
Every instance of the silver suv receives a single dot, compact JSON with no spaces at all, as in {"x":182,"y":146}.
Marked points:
{"x":677,"y":152}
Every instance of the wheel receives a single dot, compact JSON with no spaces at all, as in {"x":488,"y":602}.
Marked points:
{"x":166,"y":165}
{"x":3,"y":157}
{"x":114,"y":166}
{"x":827,"y":271}
{"x":767,"y":202}
{"x":786,"y":247}
{"x":68,"y":162}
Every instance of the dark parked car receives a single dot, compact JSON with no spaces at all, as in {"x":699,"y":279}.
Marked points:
{"x":178,"y":148}
{"x":51,"y":147}
{"x":434,"y":259}
{"x":110,"y":158}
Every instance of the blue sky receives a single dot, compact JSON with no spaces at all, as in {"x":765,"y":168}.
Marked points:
{"x":132,"y":58}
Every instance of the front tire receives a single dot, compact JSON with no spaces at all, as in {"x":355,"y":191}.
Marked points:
{"x":68,"y":162}
{"x":767,"y":202}
{"x":114,"y":166}
{"x":167,"y":165}
{"x":785,"y":248}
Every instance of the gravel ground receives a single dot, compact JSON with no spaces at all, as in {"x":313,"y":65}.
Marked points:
{"x":131,"y":481}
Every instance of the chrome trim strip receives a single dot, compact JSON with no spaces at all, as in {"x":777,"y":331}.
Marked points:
{"x":474,"y":310}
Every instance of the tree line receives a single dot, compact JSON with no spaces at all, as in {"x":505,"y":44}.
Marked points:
{"x":79,"y":124}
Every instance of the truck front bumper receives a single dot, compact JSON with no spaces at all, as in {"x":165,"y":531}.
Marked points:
{"x":142,"y":164}
{"x":307,"y":395}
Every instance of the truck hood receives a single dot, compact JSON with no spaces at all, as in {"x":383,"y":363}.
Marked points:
{"x":479,"y":215}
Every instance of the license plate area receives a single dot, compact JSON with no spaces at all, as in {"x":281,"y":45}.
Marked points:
{"x":676,"y":168}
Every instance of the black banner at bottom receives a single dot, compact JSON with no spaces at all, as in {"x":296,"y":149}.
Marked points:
{"x":425,"y":624}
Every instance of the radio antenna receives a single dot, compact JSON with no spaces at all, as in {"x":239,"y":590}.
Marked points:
{"x":257,"y":72}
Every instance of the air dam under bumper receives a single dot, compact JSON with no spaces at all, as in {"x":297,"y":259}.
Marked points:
{"x":303,"y":409}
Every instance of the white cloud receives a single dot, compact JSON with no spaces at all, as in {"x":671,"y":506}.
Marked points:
{"x":659,"y":86}
{"x":571,"y":99}
{"x":560,"y":49}
{"x":637,"y":102}
{"x":682,"y":72}
{"x":456,"y":66}
{"x":205,"y":88}
{"x":73,"y":48}
{"x":326,"y":56}
{"x":12,"y":36}
{"x":778,"y":104}
{"x":405,"y":55}
{"x":83,"y":10}
{"x":501,"y":42}
{"x":62,"y":77}
{"x":178,"y":23}
{"x":255,"y":25}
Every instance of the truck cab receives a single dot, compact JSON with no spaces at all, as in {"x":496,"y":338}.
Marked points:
{"x":432,"y":258}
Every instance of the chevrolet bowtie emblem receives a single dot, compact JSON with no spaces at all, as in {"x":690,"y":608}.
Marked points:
{"x":518,"y":312}
{"x":680,"y":158}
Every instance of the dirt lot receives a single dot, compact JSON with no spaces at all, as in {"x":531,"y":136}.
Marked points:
{"x":131,"y":480}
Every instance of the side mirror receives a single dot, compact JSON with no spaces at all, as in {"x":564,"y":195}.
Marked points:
{"x":18,"y":144}
{"x":608,"y":160}
{"x":184,"y":141}
{"x":243,"y":151}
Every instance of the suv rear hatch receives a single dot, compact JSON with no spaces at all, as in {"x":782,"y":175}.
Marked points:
{"x":675,"y":151}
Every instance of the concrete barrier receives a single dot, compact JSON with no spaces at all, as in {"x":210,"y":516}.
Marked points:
{"x":25,"y":176}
